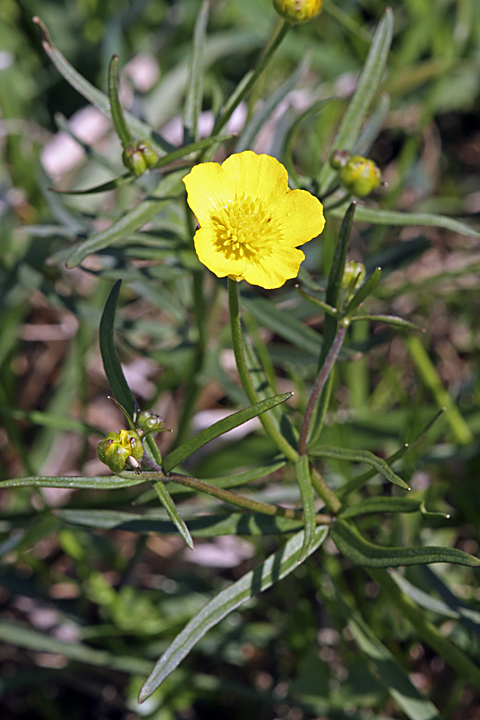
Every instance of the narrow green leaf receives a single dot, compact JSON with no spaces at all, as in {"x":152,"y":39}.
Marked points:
{"x":415,"y":705}
{"x":194,"y":94}
{"x":457,"y":609}
{"x":433,"y":382}
{"x":166,"y":191}
{"x":74,"y":482}
{"x":318,"y":303}
{"x":395,"y":217}
{"x":273,"y":569}
{"x":363,"y":456}
{"x":283,"y":324}
{"x":287,"y":156}
{"x":380,"y":505}
{"x":21,"y":636}
{"x":258,"y":121}
{"x":115,"y":107}
{"x":95,"y":96}
{"x":302,"y":473}
{"x":219,"y":428}
{"x":390,"y":320}
{"x":362,"y":552}
{"x":364,"y":291}
{"x":111,"y":363}
{"x":367,"y":87}
{"x":173,"y":513}
{"x":126,"y":179}
{"x":200,"y":526}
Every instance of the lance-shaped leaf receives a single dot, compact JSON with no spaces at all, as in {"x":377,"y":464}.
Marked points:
{"x":219,"y":428}
{"x":362,"y":552}
{"x":380,"y":505}
{"x":363,"y":456}
{"x":364,"y":291}
{"x":302,"y":473}
{"x":396,"y":217}
{"x":165,"y":192}
{"x":415,"y":705}
{"x":273,"y":569}
{"x":154,"y":521}
{"x":111,"y":363}
{"x":390,"y":320}
{"x":194,"y":93}
{"x":93,"y":95}
{"x":115,"y":107}
{"x":173,"y":513}
{"x":367,"y":87}
{"x":72,"y":482}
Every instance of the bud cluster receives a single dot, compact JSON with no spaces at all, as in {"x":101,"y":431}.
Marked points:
{"x":298,"y":11}
{"x":120,"y":451}
{"x":357,"y":174}
{"x":139,"y":157}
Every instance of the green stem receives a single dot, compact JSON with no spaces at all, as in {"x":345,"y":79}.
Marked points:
{"x":249,"y":81}
{"x":446,"y":649}
{"x":319,"y":385}
{"x":239,"y":351}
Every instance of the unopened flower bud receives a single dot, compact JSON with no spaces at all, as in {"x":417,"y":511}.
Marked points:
{"x":353,"y":275}
{"x":121,"y":450}
{"x":149,"y":154}
{"x":339,"y":159}
{"x":149,"y":422}
{"x":298,"y":11}
{"x":360,"y":176}
{"x":134,"y":160}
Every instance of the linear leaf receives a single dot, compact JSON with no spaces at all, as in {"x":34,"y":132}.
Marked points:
{"x":396,"y":217}
{"x":173,"y":513}
{"x":367,"y":87}
{"x":390,"y":320}
{"x":154,"y":521}
{"x":415,"y":705}
{"x":381,"y":504}
{"x":273,"y":569}
{"x":219,"y":428}
{"x":260,"y":118}
{"x":363,"y":456}
{"x":362,"y":552}
{"x":166,"y":191}
{"x":194,"y":93}
{"x":111,"y":363}
{"x":93,"y":95}
{"x":76,"y":482}
{"x":364,"y":291}
{"x":115,"y":106}
{"x":22,"y":636}
{"x":302,"y":472}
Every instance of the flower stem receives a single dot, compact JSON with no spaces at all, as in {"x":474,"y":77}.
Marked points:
{"x":250,"y":79}
{"x":320,"y":384}
{"x":239,"y":351}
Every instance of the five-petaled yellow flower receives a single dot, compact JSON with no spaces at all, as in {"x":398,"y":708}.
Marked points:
{"x":250,"y":223}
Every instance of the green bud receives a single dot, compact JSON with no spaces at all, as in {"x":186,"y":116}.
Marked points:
{"x":149,"y":422}
{"x":298,"y":11}
{"x":119,"y":450}
{"x":360,"y":176}
{"x":149,"y":155}
{"x":353,"y":275}
{"x":339,"y":159}
{"x":133,"y":160}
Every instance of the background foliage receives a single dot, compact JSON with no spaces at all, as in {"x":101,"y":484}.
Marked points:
{"x":94,"y":585}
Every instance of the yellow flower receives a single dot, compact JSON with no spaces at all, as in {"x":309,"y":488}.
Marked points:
{"x":250,"y":222}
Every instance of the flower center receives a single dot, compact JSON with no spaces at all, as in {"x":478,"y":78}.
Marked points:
{"x":243,"y":227}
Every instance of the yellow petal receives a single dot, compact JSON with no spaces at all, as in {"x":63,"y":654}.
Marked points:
{"x":257,"y":176}
{"x":208,"y":189}
{"x":212,"y":255}
{"x":274,"y":270}
{"x":300,"y":216}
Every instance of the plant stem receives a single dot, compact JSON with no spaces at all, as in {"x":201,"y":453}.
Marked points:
{"x":320,"y":384}
{"x":239,"y":351}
